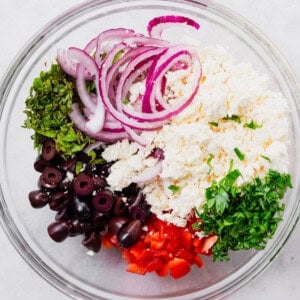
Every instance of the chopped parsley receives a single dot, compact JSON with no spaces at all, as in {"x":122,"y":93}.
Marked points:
{"x":174,"y":188}
{"x":118,"y":56}
{"x":243,"y":217}
{"x":266,"y":158}
{"x":239,"y":154}
{"x":234,"y":118}
{"x":103,"y":55}
{"x":215,"y":124}
{"x":209,"y":160}
{"x":252,"y":125}
{"x":47,"y":108}
{"x":126,"y":101}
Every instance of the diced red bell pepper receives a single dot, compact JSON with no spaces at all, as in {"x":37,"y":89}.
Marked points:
{"x":178,"y":267}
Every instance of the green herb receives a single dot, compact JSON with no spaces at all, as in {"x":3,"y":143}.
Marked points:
{"x":103,"y":55}
{"x":209,"y":160}
{"x":216,"y":124}
{"x":239,"y":154}
{"x":126,"y":101}
{"x":266,"y":158}
{"x":243,"y":217}
{"x":234,"y":118}
{"x":174,"y":188}
{"x":252,"y":125}
{"x":118,"y":56}
{"x":95,"y":160}
{"x":78,"y":167}
{"x":47,"y":108}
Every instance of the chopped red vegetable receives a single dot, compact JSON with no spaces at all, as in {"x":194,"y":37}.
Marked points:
{"x":165,"y":249}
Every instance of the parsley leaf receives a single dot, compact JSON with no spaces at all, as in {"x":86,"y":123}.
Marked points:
{"x":209,"y":160}
{"x":234,"y":118}
{"x":174,"y":188}
{"x":252,"y":125}
{"x":215,"y":124}
{"x":243,"y":217}
{"x":239,"y":154}
{"x":126,"y":101}
{"x":266,"y":158}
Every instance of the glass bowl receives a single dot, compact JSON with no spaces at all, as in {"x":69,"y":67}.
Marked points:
{"x":67,"y":266}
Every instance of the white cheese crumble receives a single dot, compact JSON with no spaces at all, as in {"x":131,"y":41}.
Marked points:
{"x":190,"y":138}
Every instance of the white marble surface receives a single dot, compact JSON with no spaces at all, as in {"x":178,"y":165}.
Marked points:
{"x":280,"y":20}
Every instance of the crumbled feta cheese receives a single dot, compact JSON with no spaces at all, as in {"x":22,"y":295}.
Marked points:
{"x":189,"y":139}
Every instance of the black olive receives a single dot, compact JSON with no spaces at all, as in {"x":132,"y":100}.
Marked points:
{"x":49,"y":150}
{"x":130,"y":233}
{"x":38,"y":198}
{"x":103,"y":201}
{"x":83,"y":184}
{"x":58,"y":231}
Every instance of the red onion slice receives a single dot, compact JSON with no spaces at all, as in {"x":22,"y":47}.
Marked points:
{"x":166,"y":61}
{"x":149,"y":173}
{"x":157,"y":25}
{"x":110,"y":35}
{"x":125,"y":120}
{"x":96,"y":120}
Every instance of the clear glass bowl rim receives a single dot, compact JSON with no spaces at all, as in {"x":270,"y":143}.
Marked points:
{"x":5,"y":219}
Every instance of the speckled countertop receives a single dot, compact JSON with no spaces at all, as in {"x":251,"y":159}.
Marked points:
{"x":280,"y":20}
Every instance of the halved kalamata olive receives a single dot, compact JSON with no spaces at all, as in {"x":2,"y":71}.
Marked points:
{"x":92,"y":242}
{"x":120,"y":207}
{"x":58,"y":231}
{"x":51,"y":177}
{"x":40,"y":165}
{"x":38,"y":198}
{"x":115,"y":224}
{"x":49,"y":150}
{"x":59,"y":200}
{"x":130,"y":233}
{"x":76,"y":227}
{"x":80,"y":209}
{"x":103,"y":201}
{"x":100,"y":219}
{"x":99,"y":182}
{"x":83,"y":184}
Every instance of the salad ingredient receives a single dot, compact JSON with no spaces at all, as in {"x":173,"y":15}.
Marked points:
{"x":243,"y":217}
{"x":38,"y":199}
{"x":83,"y":184}
{"x":239,"y":153}
{"x":103,"y":201}
{"x":129,"y":234}
{"x":252,"y":125}
{"x":157,"y":25}
{"x":59,"y":231}
{"x":47,"y":108}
